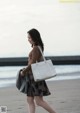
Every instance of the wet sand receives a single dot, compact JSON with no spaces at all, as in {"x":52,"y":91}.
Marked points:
{"x":64,"y":98}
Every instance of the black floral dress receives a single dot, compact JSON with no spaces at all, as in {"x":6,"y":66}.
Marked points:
{"x":39,"y":88}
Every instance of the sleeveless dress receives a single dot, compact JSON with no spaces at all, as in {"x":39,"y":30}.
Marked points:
{"x":39,"y":88}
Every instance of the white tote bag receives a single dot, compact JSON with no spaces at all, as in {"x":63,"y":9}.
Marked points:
{"x":43,"y":70}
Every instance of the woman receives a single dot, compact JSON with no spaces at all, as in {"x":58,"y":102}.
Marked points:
{"x":36,"y":90}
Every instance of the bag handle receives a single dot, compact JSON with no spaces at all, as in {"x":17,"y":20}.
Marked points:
{"x":41,"y":53}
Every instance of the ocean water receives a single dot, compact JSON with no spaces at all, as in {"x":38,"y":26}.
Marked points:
{"x":64,"y":72}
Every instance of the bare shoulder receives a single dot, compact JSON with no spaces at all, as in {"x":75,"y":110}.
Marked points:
{"x":35,"y":48}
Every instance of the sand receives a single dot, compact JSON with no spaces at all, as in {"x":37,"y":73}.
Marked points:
{"x":64,"y":98}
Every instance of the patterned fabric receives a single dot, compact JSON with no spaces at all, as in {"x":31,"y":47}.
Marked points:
{"x":35,"y":88}
{"x":39,"y":88}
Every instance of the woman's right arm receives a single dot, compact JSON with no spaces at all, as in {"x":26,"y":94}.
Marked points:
{"x":35,"y":56}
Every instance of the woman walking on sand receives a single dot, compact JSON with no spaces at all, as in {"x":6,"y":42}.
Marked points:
{"x":36,"y":90}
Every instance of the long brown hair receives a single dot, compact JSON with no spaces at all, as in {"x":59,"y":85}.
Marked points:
{"x":36,"y":37}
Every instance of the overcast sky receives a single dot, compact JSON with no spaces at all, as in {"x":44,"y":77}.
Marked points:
{"x":58,"y":23}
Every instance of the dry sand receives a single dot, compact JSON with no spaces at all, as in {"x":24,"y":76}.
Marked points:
{"x":64,"y":98}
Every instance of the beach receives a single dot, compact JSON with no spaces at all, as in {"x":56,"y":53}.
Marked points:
{"x":64,"y":98}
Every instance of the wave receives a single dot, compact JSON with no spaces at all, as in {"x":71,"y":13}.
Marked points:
{"x":8,"y":74}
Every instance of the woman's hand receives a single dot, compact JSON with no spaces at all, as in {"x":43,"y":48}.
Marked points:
{"x":23,"y":72}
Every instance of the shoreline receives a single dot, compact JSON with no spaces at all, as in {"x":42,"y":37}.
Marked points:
{"x":52,"y":80}
{"x":8,"y":82}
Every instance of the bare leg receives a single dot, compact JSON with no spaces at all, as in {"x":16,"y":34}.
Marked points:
{"x":39,"y":101}
{"x":31,"y":104}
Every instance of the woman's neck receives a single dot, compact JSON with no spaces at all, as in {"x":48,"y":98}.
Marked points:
{"x":34,"y":45}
